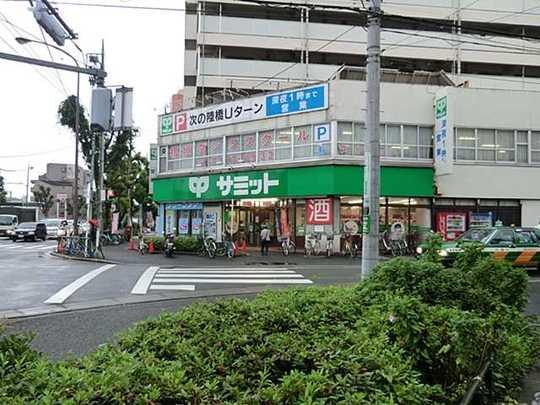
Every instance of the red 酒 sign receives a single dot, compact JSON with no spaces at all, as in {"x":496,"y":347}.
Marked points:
{"x":319,"y":211}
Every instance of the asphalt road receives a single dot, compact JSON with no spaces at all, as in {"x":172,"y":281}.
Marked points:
{"x":33,"y":283}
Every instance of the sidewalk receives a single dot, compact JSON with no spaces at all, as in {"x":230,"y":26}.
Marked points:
{"x":121,"y":254}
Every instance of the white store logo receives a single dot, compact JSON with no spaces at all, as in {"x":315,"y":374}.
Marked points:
{"x":236,"y":186}
{"x":199,"y":185}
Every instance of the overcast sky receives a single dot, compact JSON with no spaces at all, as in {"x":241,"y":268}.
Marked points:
{"x":143,"y":49}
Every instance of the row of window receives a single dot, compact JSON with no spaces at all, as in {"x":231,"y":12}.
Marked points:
{"x":397,"y":141}
{"x":495,"y":145}
{"x":264,"y":147}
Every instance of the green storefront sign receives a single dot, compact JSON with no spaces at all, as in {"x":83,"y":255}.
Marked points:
{"x":441,"y":107}
{"x":298,"y":182}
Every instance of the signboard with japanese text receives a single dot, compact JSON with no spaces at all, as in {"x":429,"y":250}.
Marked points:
{"x":319,"y":211}
{"x":153,"y":164}
{"x":296,"y":101}
{"x":290,"y":182}
{"x":444,"y":134}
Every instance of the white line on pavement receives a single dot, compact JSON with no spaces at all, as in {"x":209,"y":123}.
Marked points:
{"x":47,"y":247}
{"x":141,"y":287}
{"x":232,"y":275}
{"x":176,"y":287}
{"x":236,"y":281}
{"x":67,"y":291}
{"x":15,"y":247}
{"x":195,"y":271}
{"x":230,"y":269}
{"x":534,"y":280}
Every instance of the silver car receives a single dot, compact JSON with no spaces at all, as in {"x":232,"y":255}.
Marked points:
{"x":53,"y":225}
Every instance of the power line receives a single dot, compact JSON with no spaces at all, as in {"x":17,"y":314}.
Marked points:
{"x":52,"y":60}
{"x":102,"y":5}
{"x":34,"y":154}
{"x":501,"y":45}
{"x":316,"y":50}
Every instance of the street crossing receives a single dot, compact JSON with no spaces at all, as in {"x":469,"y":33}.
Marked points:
{"x":186,"y":279}
{"x":26,"y":247}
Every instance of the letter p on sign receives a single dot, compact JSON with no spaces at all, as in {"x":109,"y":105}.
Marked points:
{"x":322,"y":133}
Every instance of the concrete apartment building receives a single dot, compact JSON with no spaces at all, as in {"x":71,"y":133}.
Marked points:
{"x":59,"y":177}
{"x":460,"y":134}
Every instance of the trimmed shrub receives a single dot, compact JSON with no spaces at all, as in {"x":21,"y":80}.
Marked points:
{"x":414,"y":333}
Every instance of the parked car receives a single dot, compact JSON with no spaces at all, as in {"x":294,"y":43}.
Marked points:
{"x":53,"y":225}
{"x":8,"y":224}
{"x":29,"y":231}
{"x":520,"y":246}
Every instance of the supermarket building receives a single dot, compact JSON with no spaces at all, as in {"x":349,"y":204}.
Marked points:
{"x":451,"y":157}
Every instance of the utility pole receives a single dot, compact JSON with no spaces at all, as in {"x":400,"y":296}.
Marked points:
{"x":370,"y":227}
{"x":28,"y":168}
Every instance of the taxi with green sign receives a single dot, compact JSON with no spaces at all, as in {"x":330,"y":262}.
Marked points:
{"x":520,"y":246}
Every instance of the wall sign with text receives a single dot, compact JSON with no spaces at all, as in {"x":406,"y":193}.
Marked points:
{"x":306,"y":99}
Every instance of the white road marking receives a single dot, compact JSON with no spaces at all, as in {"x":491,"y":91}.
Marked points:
{"x":236,"y":281}
{"x":15,"y":247}
{"x":231,"y":275}
{"x":61,"y":296}
{"x":33,"y":247}
{"x":48,"y":247}
{"x":535,"y":280}
{"x":228,"y":272}
{"x":227,"y":269}
{"x":141,"y":287}
{"x":175,"y":287}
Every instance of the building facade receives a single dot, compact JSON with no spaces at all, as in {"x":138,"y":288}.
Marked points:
{"x":237,"y":48}
{"x":59,"y":178}
{"x":294,"y":160}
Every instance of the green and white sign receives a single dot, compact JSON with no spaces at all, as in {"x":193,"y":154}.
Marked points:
{"x":166,"y":125}
{"x":318,"y":181}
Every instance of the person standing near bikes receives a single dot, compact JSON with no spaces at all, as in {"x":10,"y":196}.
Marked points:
{"x":265,"y":240}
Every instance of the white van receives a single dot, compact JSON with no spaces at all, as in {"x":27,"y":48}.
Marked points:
{"x":8,"y":224}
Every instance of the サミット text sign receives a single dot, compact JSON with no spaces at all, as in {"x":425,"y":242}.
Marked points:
{"x":297,"y":101}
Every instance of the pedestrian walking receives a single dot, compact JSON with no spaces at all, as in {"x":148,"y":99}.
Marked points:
{"x":265,"y":240}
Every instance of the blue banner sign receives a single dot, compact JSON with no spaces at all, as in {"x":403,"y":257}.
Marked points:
{"x":297,"y":101}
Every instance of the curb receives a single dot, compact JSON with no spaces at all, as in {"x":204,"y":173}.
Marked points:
{"x":82,"y":259}
{"x":23,"y":313}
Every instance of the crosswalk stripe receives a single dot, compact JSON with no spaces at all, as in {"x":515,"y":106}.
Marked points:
{"x":175,"y":287}
{"x":61,"y":296}
{"x":235,"y":269}
{"x":225,"y":276}
{"x":47,"y":247}
{"x":236,"y":281}
{"x":228,"y":272}
{"x":141,"y":287}
{"x":15,"y":247}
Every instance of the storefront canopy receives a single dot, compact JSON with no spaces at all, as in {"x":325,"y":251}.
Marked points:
{"x":293,"y":183}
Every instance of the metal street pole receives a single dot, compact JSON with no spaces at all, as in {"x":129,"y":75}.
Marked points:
{"x":28,"y":168}
{"x":370,"y":231}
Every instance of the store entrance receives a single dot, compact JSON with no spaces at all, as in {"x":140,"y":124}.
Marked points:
{"x":249,"y":216}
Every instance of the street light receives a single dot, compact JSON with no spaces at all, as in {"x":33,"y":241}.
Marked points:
{"x":24,"y":41}
{"x":28,"y":168}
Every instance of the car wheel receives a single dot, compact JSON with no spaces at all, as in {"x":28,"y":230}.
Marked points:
{"x":14,"y":239}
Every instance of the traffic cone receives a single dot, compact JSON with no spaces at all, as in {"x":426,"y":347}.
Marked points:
{"x":150,"y":247}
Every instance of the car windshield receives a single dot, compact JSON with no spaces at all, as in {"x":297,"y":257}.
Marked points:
{"x":26,"y":225}
{"x":52,"y":222}
{"x":6,"y":220}
{"x":476,"y":235}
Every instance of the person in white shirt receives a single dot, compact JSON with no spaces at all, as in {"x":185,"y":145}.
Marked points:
{"x":265,"y":240}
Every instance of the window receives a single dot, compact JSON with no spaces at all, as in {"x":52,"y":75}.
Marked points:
{"x":410,"y":141}
{"x":186,"y":152}
{"x":303,"y":139}
{"x":506,"y":146}
{"x":241,"y":149}
{"x":522,"y":147}
{"x":173,"y":158}
{"x":215,"y":152}
{"x":393,"y":141}
{"x":535,"y":147}
{"x":350,"y":139}
{"x":486,"y":144}
{"x":201,"y":154}
{"x":425,"y":143}
{"x":267,"y":146}
{"x":284,"y":144}
{"x":163,"y":159}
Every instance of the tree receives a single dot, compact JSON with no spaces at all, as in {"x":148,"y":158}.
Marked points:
{"x":3,"y":193}
{"x":44,"y":197}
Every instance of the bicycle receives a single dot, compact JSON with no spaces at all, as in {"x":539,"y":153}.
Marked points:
{"x":350,"y":247}
{"x":287,"y":246}
{"x":329,"y":245}
{"x":209,"y":248}
{"x":313,"y":245}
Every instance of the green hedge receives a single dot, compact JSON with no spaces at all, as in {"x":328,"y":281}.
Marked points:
{"x":181,"y":243}
{"x":415,"y":333}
